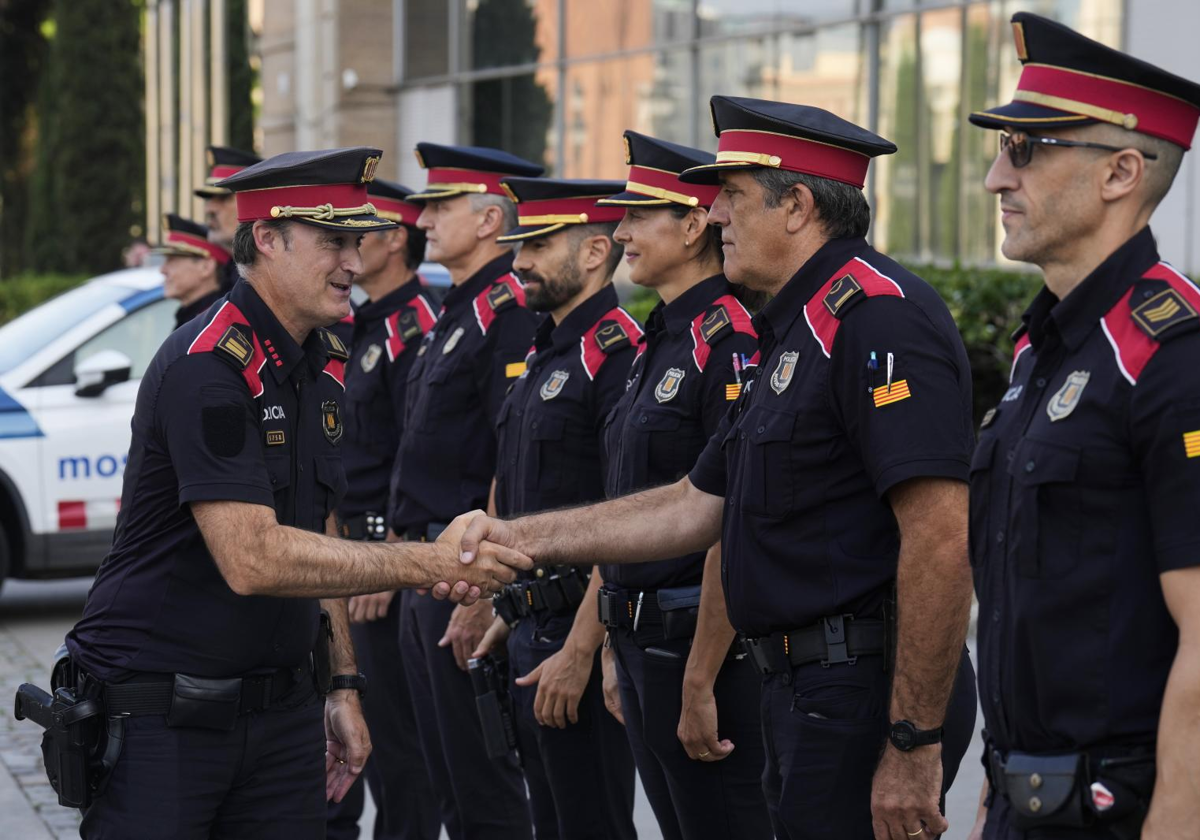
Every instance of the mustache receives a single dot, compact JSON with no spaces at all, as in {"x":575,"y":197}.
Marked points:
{"x":532,"y":277}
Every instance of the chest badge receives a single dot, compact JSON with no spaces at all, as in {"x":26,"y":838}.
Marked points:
{"x":669,"y":386}
{"x":452,"y":341}
{"x":1063,"y":403}
{"x":553,"y":386}
{"x":371,"y":358}
{"x":784,"y":371}
{"x":331,"y":421}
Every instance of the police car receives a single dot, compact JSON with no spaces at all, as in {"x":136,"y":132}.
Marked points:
{"x":69,"y":376}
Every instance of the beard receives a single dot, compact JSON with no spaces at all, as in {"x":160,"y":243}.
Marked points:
{"x":548,"y":295}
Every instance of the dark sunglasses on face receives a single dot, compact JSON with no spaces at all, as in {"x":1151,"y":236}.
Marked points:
{"x":1019,"y":146}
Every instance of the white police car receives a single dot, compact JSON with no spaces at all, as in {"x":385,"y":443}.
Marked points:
{"x":69,"y":376}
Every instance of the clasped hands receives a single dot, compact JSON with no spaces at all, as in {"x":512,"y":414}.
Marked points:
{"x":478,"y":559}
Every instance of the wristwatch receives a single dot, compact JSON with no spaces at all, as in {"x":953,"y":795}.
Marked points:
{"x":358,"y":682}
{"x":905,"y":737}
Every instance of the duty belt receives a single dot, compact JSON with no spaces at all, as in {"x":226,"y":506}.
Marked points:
{"x":150,"y":694}
{"x":556,"y":590}
{"x":628,"y":608}
{"x":367,"y":526}
{"x":834,"y":640}
{"x":425,"y":532}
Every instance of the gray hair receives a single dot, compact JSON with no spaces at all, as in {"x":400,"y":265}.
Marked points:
{"x":245,"y":251}
{"x":508,"y":210}
{"x":842,"y":208}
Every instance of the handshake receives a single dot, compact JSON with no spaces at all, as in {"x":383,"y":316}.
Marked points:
{"x":476,"y":558}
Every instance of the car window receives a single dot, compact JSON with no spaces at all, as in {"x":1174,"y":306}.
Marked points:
{"x":138,"y":335}
{"x":23,"y":336}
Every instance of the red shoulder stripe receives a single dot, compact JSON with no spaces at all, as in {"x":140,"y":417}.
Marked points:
{"x":484,"y":314}
{"x":739,"y":316}
{"x":1020,"y":347}
{"x":336,"y":368}
{"x":590,"y":353}
{"x":874,"y":284}
{"x":425,"y":317}
{"x":349,"y":319}
{"x":206,"y":342}
{"x":1132,"y":348}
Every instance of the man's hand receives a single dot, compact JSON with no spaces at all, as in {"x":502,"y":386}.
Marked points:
{"x":496,"y":635}
{"x":493,"y":568}
{"x":612,"y":689}
{"x":480,"y":529}
{"x":697,"y":729}
{"x":364,"y":608}
{"x":466,"y":630}
{"x":347,"y":742}
{"x":561,"y":680}
{"x":905,"y":793}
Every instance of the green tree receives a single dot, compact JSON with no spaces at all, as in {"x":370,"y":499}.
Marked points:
{"x":241,"y":76}
{"x":511,"y":114}
{"x":90,"y":175}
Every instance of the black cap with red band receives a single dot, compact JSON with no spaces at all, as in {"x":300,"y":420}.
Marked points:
{"x":391,"y":202}
{"x":1068,"y":79}
{"x":654,"y":167}
{"x":547,"y":205}
{"x":223,"y":161}
{"x":185,"y":238}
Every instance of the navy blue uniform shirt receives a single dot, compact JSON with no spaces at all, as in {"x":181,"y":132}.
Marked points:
{"x":384,"y":340}
{"x":818,"y":437}
{"x":447,"y":455}
{"x":187,"y":312}
{"x":1083,"y":492}
{"x":230,"y":409}
{"x":549,"y":427}
{"x":682,"y":383}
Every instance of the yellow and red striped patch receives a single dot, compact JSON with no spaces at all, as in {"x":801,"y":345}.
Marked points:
{"x":1191,"y":443}
{"x":733,"y":391}
{"x":886,"y":395}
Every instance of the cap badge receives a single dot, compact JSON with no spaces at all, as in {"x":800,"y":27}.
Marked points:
{"x":369,"y":169}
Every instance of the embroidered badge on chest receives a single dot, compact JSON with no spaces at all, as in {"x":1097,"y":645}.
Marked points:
{"x":331,"y":421}
{"x":784,"y":371}
{"x":669,"y":386}
{"x":452,"y":341}
{"x":1063,"y":403}
{"x":553,"y":386}
{"x":371,"y":358}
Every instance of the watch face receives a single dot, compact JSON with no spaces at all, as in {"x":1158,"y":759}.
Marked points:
{"x":902,"y":735}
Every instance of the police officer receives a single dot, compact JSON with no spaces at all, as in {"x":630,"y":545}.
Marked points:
{"x":1084,"y":483}
{"x":841,"y":471}
{"x":201,"y":633}
{"x":445,"y":463}
{"x":386,"y":332}
{"x":575,"y":755}
{"x":687,"y":374}
{"x":192,"y":267}
{"x":220,"y":210}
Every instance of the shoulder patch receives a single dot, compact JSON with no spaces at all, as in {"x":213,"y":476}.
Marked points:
{"x":716,"y":322}
{"x":841,"y":295}
{"x":499,"y":297}
{"x":334,"y":346}
{"x":610,"y":336}
{"x":724,"y":316}
{"x":612,"y":333}
{"x":851,"y":284}
{"x":1135,"y":330}
{"x":235,"y":346}
{"x":505,"y":293}
{"x":406,"y":324}
{"x":1161,"y":311}
{"x":228,"y":335}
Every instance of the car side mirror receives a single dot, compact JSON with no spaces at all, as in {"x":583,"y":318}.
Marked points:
{"x":95,"y":373}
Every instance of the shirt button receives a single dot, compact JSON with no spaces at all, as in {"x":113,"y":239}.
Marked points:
{"x":999,"y":538}
{"x":1041,"y":382}
{"x":742,"y":436}
{"x":275,"y":646}
{"x":533,"y":425}
{"x":731,"y":502}
{"x":642,"y":419}
{"x":996,"y":616}
{"x":761,"y":429}
{"x":1030,"y":466}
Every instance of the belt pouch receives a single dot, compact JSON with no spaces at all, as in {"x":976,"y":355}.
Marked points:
{"x":204,"y":704}
{"x":1045,"y":790}
{"x":680,"y":607}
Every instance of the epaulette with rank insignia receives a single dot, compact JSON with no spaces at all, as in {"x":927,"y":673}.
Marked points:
{"x":225,"y":336}
{"x":505,"y":293}
{"x":1160,"y":306}
{"x":406,"y":324}
{"x":615,"y":331}
{"x":725,"y":316}
{"x":333,"y":345}
{"x":851,"y":284}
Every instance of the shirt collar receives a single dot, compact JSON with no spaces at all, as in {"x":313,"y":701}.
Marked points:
{"x":580,"y":319}
{"x":1076,"y":315}
{"x":679,"y":313}
{"x":283,"y":353}
{"x":377,"y":310}
{"x":777,"y":316}
{"x":463,"y":295}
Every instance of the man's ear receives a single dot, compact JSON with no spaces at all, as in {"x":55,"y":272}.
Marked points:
{"x":1123,"y":174}
{"x":800,"y":207}
{"x":489,"y":222}
{"x":596,"y":252}
{"x":268,"y":240}
{"x":397,"y":240}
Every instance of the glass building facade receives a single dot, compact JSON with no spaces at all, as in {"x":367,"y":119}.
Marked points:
{"x":559,"y":80}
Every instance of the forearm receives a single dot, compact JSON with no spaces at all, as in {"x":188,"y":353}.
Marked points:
{"x":652,"y":525}
{"x":587,"y":633}
{"x":1176,"y":801}
{"x":714,"y":633}
{"x":341,"y":652}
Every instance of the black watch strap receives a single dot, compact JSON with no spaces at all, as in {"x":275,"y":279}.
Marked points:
{"x":358,"y":682}
{"x":905,"y":736}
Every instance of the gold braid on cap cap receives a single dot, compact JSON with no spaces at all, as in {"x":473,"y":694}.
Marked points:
{"x":323,"y":212}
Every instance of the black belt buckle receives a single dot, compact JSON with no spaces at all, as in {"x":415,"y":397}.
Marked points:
{"x":608,"y":605}
{"x":835,"y":641}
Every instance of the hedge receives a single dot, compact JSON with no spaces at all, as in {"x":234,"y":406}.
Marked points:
{"x":986,"y":304}
{"x":26,"y":291}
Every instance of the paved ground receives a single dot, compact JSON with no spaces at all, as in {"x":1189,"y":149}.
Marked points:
{"x":33,"y":619}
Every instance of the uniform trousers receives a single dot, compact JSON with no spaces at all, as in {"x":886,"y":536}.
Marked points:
{"x":581,"y":779}
{"x":825,"y":729}
{"x":263,"y":780}
{"x":405,"y":807}
{"x":693,"y":800}
{"x":480,"y":798}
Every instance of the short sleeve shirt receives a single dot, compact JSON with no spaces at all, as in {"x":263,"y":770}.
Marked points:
{"x":682,"y":384}
{"x":447,"y":454}
{"x":230,"y":409}
{"x":862,"y":382}
{"x":1083,"y":493}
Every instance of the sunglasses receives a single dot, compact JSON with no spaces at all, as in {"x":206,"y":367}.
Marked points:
{"x":1020,"y":145}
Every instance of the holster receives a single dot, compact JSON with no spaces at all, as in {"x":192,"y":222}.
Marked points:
{"x":73,"y":730}
{"x":489,"y":679}
{"x":322,"y":657}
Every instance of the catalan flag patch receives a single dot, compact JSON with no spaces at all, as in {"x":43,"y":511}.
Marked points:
{"x":888,"y":394}
{"x":733,"y":391}
{"x":513,"y":369}
{"x":1191,"y":443}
